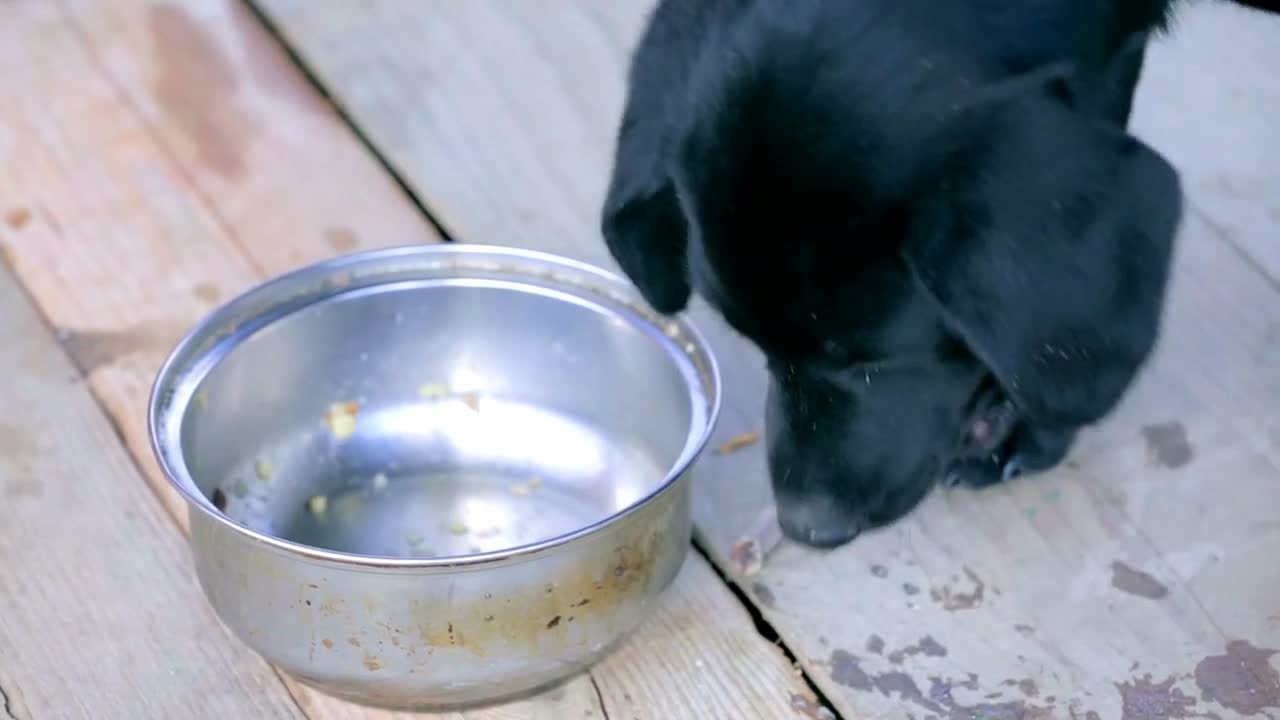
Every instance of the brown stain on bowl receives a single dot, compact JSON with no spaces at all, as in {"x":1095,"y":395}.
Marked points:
{"x":593,"y":594}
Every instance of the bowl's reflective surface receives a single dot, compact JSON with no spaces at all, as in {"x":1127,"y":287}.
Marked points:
{"x":435,"y":476}
{"x":481,"y":415}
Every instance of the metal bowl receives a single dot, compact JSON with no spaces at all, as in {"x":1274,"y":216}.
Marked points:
{"x":427,"y":477}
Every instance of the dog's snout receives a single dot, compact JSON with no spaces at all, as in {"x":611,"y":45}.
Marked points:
{"x":817,"y":525}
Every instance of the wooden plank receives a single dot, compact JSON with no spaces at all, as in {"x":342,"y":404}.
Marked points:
{"x":132,"y":203}
{"x":158,"y":159}
{"x":1234,"y":176}
{"x":103,"y":616}
{"x":1120,"y":579}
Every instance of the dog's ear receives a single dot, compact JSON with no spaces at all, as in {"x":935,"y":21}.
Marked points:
{"x":1047,"y":245}
{"x":645,"y":233}
{"x":643,"y":224}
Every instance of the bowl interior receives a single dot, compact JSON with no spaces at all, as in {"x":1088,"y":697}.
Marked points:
{"x":441,"y":418}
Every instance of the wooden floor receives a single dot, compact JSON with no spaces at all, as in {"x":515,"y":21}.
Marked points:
{"x":156,"y":158}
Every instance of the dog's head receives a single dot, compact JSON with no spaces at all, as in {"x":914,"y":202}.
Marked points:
{"x":910,"y":247}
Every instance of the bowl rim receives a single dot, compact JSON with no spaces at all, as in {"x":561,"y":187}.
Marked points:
{"x":195,"y":355}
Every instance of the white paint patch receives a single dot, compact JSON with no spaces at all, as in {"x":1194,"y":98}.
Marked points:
{"x":1187,"y":562}
{"x":1094,"y":580}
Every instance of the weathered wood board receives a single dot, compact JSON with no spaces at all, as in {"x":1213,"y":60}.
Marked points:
{"x":160,"y":158}
{"x":102,"y":616}
{"x":1137,"y":577}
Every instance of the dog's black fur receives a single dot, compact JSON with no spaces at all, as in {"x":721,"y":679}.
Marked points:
{"x":928,"y":215}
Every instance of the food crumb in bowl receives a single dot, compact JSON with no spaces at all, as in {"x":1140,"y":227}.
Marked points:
{"x":264,"y":469}
{"x":202,"y":399}
{"x":433,"y":391}
{"x":380,"y":481}
{"x":535,"y":482}
{"x":520,"y":489}
{"x":341,"y":419}
{"x":347,"y":508}
{"x":458,"y":528}
{"x":737,"y":442}
{"x":318,"y":504}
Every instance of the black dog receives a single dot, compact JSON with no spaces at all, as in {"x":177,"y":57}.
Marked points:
{"x":928,"y":215}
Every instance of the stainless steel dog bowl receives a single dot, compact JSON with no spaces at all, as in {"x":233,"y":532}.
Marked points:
{"x":435,"y":476}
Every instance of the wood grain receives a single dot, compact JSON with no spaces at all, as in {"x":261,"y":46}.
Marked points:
{"x":160,"y":158}
{"x":1227,"y":54}
{"x":1119,"y":582}
{"x":164,"y":157}
{"x":102,"y":615}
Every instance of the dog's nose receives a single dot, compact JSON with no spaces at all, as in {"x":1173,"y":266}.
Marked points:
{"x":820,"y":529}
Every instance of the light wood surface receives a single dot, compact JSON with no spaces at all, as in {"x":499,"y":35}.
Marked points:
{"x":1138,"y":581}
{"x":100,"y":613}
{"x":158,"y":158}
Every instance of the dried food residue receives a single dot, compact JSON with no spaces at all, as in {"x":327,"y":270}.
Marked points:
{"x":434,"y":391}
{"x":318,"y":505}
{"x":341,"y":419}
{"x":264,"y":469}
{"x":738,"y":442}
